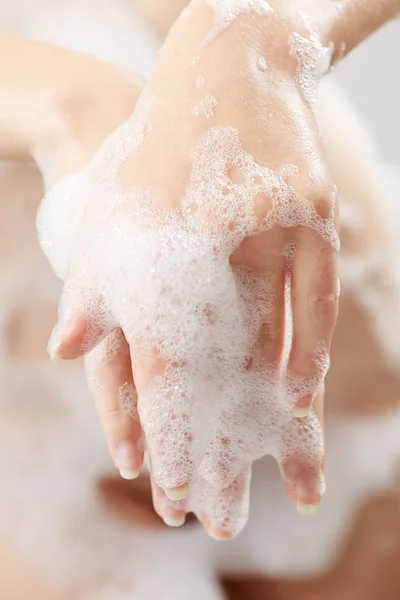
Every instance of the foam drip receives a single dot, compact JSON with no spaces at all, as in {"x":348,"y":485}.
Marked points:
{"x":205,"y":107}
{"x":127,"y":396}
{"x":314,"y":61}
{"x":262,"y":63}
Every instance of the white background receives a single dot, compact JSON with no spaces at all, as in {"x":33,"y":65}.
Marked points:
{"x":371,"y":76}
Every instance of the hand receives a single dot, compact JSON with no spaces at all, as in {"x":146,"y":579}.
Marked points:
{"x":192,"y":232}
{"x":77,"y":101}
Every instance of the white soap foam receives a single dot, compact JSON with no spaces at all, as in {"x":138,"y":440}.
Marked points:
{"x":164,"y":277}
{"x":314,"y":61}
{"x":200,"y":81}
{"x":127,"y":396}
{"x":262,"y":63}
{"x":205,"y":107}
{"x":51,"y":486}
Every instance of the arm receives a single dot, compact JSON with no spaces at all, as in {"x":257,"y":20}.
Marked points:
{"x":357,"y":19}
{"x":349,"y":21}
{"x":161,"y":13}
{"x":259,"y":117}
{"x":53,"y":101}
{"x":346,"y":23}
{"x":235,"y":130}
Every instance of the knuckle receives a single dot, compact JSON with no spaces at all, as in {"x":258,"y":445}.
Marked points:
{"x":323,"y":204}
{"x":271,"y":334}
{"x":325,"y":307}
{"x":323,"y":195}
{"x":271,"y":341}
{"x":111,"y":416}
{"x":302,"y":365}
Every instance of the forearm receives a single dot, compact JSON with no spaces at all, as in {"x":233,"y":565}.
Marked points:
{"x":49,"y":95}
{"x":345,"y":23}
{"x":357,"y":19}
{"x":24,"y":97}
{"x":161,"y":13}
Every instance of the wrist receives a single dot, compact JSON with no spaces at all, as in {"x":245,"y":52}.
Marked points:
{"x":316,"y":20}
{"x":271,"y":30}
{"x":356,"y":20}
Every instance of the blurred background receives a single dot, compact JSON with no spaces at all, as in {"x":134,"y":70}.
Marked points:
{"x":69,"y":528}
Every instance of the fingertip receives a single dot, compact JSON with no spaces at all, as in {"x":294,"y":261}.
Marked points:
{"x":177,"y":521}
{"x":216,"y":532}
{"x":176,"y":494}
{"x":307,"y":510}
{"x":301,"y":413}
{"x":67,"y":340}
{"x":128,"y":459}
{"x":172,"y":513}
{"x":305,"y":485}
{"x":54,"y":348}
{"x":129,"y":475}
{"x":217,"y":536}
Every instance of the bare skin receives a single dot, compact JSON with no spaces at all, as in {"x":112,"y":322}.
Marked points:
{"x":294,"y":139}
{"x":322,"y":321}
{"x":347,"y":22}
{"x":347,"y":323}
{"x":357,"y":19}
{"x":59,"y":88}
{"x":314,"y":268}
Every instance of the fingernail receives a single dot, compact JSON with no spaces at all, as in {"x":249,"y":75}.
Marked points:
{"x":129,"y":475}
{"x":307,"y":510}
{"x":54,"y":347}
{"x":309,"y":492}
{"x":214,"y":534}
{"x":174,"y":521}
{"x":126,"y":460}
{"x":178,"y":493}
{"x":321,"y":485}
{"x":147,"y":461}
{"x":303,"y":406}
{"x":301,"y":413}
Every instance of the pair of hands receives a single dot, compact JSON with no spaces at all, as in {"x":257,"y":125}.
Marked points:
{"x":232,"y":113}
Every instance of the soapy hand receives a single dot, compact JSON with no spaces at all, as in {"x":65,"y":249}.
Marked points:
{"x":199,"y":254}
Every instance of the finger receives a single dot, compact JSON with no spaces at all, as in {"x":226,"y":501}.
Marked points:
{"x":221,"y":463}
{"x":67,"y":339}
{"x":173,"y":513}
{"x":224,"y":513}
{"x":259,"y":270}
{"x":263,"y":288}
{"x":110,"y":378}
{"x":263,"y":257}
{"x":166,"y":413}
{"x":301,"y":459}
{"x":314,"y":298}
{"x":83,"y":323}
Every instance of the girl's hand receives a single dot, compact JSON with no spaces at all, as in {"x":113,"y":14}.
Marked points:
{"x":203,"y":228}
